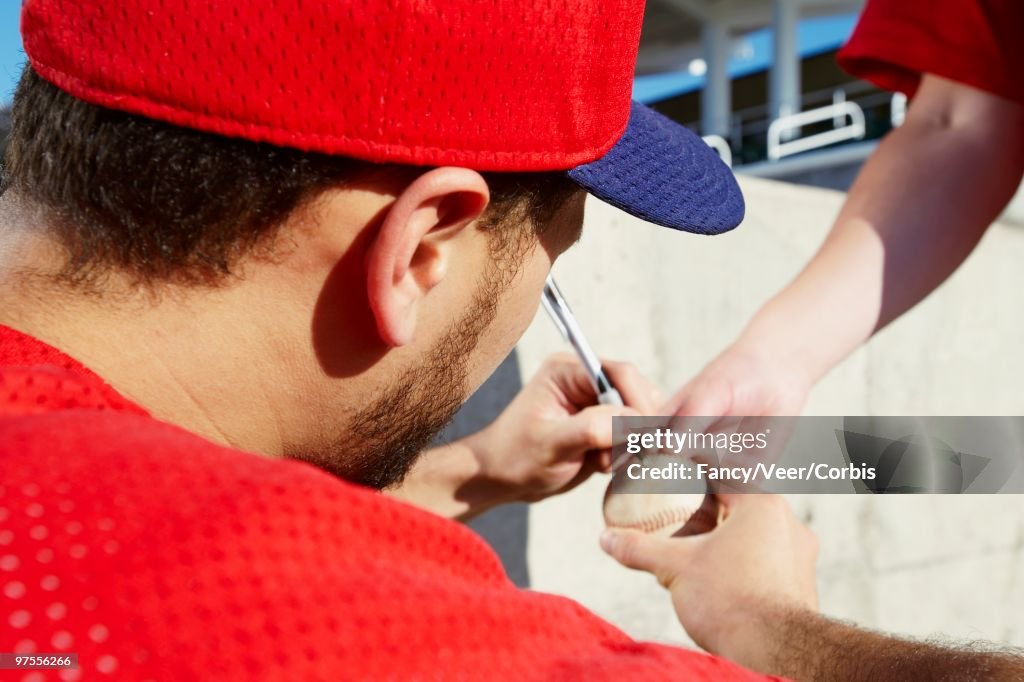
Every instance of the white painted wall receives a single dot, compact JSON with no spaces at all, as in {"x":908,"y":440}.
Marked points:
{"x":669,"y":302}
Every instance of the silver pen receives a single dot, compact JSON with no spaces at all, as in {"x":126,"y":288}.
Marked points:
{"x":566,"y":322}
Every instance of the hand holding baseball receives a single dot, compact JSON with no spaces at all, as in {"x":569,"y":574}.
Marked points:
{"x":727,"y":583}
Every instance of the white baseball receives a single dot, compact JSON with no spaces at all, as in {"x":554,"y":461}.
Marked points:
{"x":662,"y":513}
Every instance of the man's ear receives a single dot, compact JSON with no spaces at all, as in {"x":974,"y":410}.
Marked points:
{"x":408,"y":257}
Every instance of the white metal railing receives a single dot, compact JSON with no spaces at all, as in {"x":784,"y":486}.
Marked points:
{"x":720,"y":145}
{"x":755,"y":120}
{"x":845,"y":105}
{"x":898,"y":109}
{"x":778,"y":149}
{"x":838,"y":97}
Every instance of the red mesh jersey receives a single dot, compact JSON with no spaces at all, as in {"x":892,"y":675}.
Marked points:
{"x":155,"y":554}
{"x":510,"y":85}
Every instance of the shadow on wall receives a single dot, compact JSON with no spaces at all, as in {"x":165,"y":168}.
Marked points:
{"x":504,"y":528}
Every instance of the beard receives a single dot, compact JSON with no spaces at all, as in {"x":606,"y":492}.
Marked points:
{"x":385,"y":438}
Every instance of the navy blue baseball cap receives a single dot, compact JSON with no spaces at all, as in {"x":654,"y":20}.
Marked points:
{"x":661,"y":172}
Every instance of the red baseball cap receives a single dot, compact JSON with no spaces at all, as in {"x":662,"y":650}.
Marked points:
{"x":510,"y":85}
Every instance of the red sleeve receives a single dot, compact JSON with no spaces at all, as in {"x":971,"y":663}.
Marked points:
{"x":975,"y":42}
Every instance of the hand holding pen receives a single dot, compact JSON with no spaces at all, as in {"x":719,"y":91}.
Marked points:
{"x":566,"y":322}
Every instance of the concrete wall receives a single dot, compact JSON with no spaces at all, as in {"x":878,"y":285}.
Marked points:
{"x":669,"y":302}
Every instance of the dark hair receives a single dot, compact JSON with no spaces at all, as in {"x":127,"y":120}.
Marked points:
{"x":171,"y":204}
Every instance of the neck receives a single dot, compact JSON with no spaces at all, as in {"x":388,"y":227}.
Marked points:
{"x":203,"y":359}
{"x":174,"y":359}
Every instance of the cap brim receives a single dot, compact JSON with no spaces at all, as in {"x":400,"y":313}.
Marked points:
{"x":661,"y":172}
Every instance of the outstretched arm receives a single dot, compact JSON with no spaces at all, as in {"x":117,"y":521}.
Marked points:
{"x":917,"y":209}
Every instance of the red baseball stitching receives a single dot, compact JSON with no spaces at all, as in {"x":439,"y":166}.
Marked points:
{"x":659,"y":520}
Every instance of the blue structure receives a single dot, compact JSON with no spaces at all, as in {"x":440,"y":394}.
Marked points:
{"x":813,"y":37}
{"x":12,"y":57}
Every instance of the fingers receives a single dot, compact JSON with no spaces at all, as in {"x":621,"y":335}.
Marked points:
{"x":645,"y":552}
{"x":590,"y":429}
{"x":702,"y":398}
{"x":589,"y":466}
{"x":652,"y":553}
{"x":571,"y":378}
{"x":632,"y":548}
{"x":636,"y":390}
